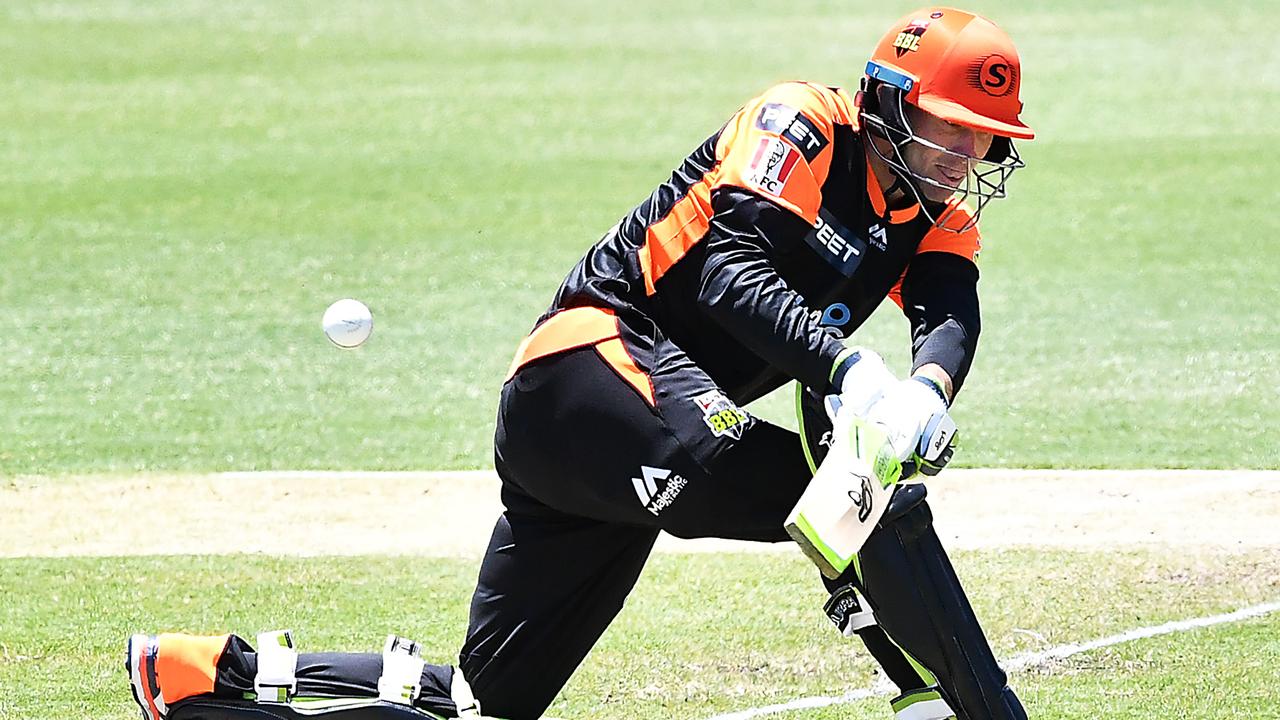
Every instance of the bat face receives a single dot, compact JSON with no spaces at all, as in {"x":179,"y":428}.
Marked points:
{"x":844,"y":501}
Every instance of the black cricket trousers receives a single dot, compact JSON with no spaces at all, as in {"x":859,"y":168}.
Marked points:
{"x":599,"y":446}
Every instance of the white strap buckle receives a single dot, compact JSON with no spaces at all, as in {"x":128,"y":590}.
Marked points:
{"x":857,"y":621}
{"x":401,"y":680}
{"x":276,"y":681}
{"x":463,"y":699}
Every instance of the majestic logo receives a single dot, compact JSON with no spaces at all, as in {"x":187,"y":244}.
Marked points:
{"x":793,"y":125}
{"x":772,"y":165}
{"x":861,"y":497}
{"x":647,"y":488}
{"x":836,"y":244}
{"x":721,"y":415}
{"x":994,"y":75}
{"x":879,"y":238}
{"x":909,"y":39}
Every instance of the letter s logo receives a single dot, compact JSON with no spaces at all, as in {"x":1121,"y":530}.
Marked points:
{"x":996,"y":76}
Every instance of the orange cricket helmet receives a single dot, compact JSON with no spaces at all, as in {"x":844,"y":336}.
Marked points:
{"x":961,"y":68}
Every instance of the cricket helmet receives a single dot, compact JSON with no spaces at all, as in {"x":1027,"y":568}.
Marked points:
{"x":959,"y":67}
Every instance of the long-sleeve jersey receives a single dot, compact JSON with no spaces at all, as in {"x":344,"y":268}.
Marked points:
{"x":773,"y":222}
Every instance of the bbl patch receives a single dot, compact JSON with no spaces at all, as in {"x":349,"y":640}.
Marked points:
{"x":721,"y":415}
{"x":793,"y":125}
{"x":836,"y":244}
{"x":772,"y":165}
{"x":909,"y":39}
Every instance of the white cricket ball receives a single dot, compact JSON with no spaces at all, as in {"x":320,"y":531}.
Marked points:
{"x":347,"y":323}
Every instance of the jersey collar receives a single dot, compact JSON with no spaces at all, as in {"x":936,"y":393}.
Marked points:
{"x":876,"y":195}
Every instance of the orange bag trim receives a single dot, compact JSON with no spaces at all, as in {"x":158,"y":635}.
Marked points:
{"x":188,"y":664}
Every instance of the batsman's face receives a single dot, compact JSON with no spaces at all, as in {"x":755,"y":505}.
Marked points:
{"x":947,"y":154}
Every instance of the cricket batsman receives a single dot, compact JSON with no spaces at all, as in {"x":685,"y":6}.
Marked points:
{"x":623,"y":414}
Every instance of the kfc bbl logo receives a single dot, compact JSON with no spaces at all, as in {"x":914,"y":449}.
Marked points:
{"x":909,"y":39}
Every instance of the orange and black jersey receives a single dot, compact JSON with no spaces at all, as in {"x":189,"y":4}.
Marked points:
{"x":773,"y":221}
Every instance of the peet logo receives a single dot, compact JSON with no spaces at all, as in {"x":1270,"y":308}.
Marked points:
{"x":909,"y":39}
{"x":994,"y":75}
{"x":830,"y":239}
{"x":792,"y":124}
{"x":836,"y":244}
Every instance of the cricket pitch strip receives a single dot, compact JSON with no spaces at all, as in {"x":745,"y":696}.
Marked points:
{"x":450,"y":514}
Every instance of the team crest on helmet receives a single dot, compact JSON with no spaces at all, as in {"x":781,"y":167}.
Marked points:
{"x":994,"y":75}
{"x":909,"y":39}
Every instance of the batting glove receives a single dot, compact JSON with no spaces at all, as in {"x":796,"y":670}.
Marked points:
{"x":860,"y":378}
{"x":916,"y":424}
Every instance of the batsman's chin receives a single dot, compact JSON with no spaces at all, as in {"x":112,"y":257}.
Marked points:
{"x":939,"y":189}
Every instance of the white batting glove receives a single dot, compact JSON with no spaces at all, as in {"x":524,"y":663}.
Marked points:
{"x":916,"y":425}
{"x":861,"y":378}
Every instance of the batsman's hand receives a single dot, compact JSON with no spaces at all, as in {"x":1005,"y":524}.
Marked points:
{"x":860,"y":378}
{"x":917,"y":426}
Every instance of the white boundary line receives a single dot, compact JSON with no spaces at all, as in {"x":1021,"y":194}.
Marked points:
{"x":1018,"y":662}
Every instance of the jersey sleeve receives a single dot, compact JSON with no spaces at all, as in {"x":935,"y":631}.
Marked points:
{"x":938,"y":292}
{"x":966,"y":244}
{"x":939,"y":295}
{"x":778,"y":146}
{"x":740,"y":289}
{"x":772,"y":158}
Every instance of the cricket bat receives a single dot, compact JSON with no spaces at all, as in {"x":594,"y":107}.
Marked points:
{"x":846,"y":497}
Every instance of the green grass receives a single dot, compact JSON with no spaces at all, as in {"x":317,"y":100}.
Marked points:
{"x":187,"y":185}
{"x":700,"y":635}
{"x":1218,"y":673}
{"x":184,"y":187}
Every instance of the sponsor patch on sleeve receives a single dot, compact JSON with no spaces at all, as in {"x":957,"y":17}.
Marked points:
{"x":722,"y":416}
{"x":792,"y":125}
{"x":771,"y":165}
